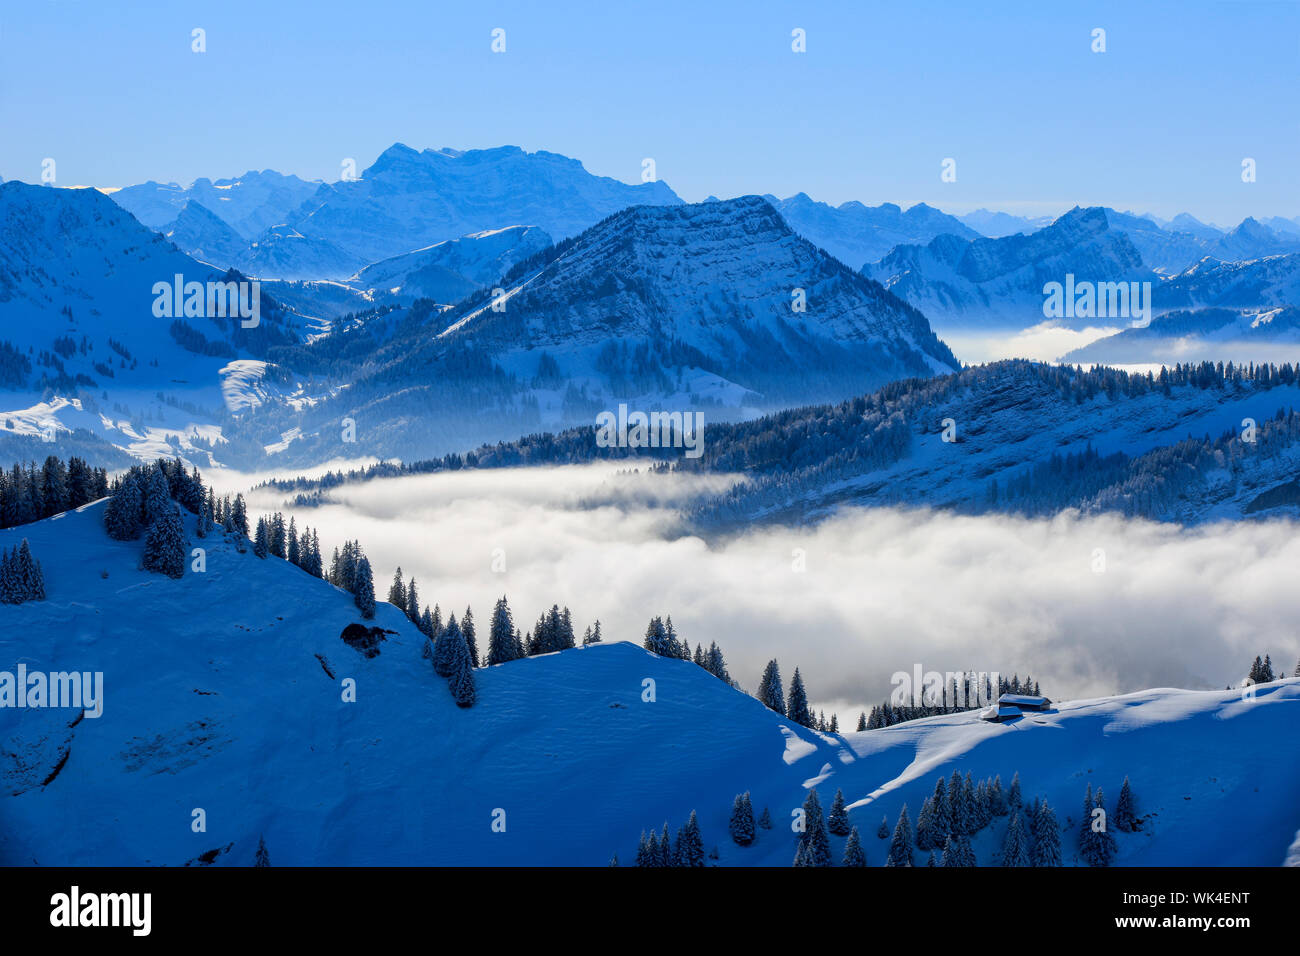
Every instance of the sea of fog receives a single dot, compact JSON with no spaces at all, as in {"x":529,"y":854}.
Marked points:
{"x":1088,"y":606}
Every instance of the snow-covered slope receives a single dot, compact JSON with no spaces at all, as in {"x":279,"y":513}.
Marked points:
{"x":85,"y":349}
{"x":1257,"y":283}
{"x":449,"y":271}
{"x":223,"y":691}
{"x":855,"y":233}
{"x":203,"y":235}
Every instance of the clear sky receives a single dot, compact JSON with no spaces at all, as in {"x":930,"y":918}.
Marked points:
{"x":711,"y":90}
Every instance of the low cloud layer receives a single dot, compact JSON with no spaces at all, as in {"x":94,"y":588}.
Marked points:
{"x":880,"y":591}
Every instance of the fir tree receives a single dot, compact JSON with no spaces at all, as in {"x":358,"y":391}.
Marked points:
{"x":741,"y":825}
{"x":882,"y":831}
{"x":261,"y":546}
{"x":364,"y":595}
{"x":460,"y":677}
{"x":412,"y":602}
{"x":1047,"y":838}
{"x":797,"y":708}
{"x":593,"y":635}
{"x":471,"y":639}
{"x":1014,"y":849}
{"x":501,"y":637}
{"x":769,"y":688}
{"x":817,"y":842}
{"x":122,"y":513}
{"x":931,"y":861}
{"x":295,"y":551}
{"x":164,"y":548}
{"x":397,"y":592}
{"x":853,"y":853}
{"x":445,"y":650}
{"x":1125,"y":816}
{"x":765,"y":821}
{"x":643,"y":855}
{"x":900,"y":845}
{"x":692,"y":851}
{"x":263,"y":858}
{"x":838,"y":821}
{"x":1013,"y":796}
{"x":940,"y":813}
{"x":862,"y":721}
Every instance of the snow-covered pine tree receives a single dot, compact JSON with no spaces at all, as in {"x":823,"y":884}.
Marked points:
{"x":882,"y":831}
{"x":263,"y":858}
{"x":277,"y":535}
{"x":971,"y":808}
{"x":816,"y":840}
{"x":501,"y":639}
{"x":652,"y":851}
{"x":927,"y":835}
{"x":900,"y":844}
{"x":692,"y":852}
{"x":164,"y":547}
{"x":853,"y":852}
{"x":1125,"y":815}
{"x":765,"y":821}
{"x":261,"y":543}
{"x":31,"y":579}
{"x":294,"y":553}
{"x":471,"y":636}
{"x":1014,"y":852}
{"x":797,"y":706}
{"x":643,"y":857}
{"x":1107,"y":846}
{"x":239,"y":516}
{"x":769,"y":688}
{"x":932,"y":862}
{"x":412,"y":601}
{"x":941,"y":813}
{"x":157,"y":499}
{"x":1013,"y":795}
{"x":460,"y":672}
{"x":838,"y":821}
{"x":665,"y":847}
{"x":835,"y":724}
{"x":1047,"y":838}
{"x":715,"y":664}
{"x":397,"y":591}
{"x":741,"y":825}
{"x":862,"y":720}
{"x":122,"y":513}
{"x":444,"y":651}
{"x":364,"y":593}
{"x":593,"y":635}
{"x":998,"y":802}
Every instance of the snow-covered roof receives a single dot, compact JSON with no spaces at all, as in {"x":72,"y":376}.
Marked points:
{"x":1001,"y":711}
{"x":1024,"y":700}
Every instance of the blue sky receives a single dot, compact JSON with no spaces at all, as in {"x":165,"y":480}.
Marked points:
{"x":1036,"y":121}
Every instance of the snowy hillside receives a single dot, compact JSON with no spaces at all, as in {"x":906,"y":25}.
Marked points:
{"x":223,"y":691}
{"x":449,"y":271}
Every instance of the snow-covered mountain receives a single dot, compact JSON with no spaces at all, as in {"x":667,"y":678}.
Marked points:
{"x":1200,"y":335}
{"x":995,"y":225}
{"x":855,"y":233}
{"x":448,"y":271}
{"x":202,"y":235}
{"x":249,"y":204}
{"x":1254,"y":284}
{"x":409,"y":200}
{"x":661,"y":307}
{"x":284,"y":252}
{"x":247,"y":719}
{"x":998,"y":283}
